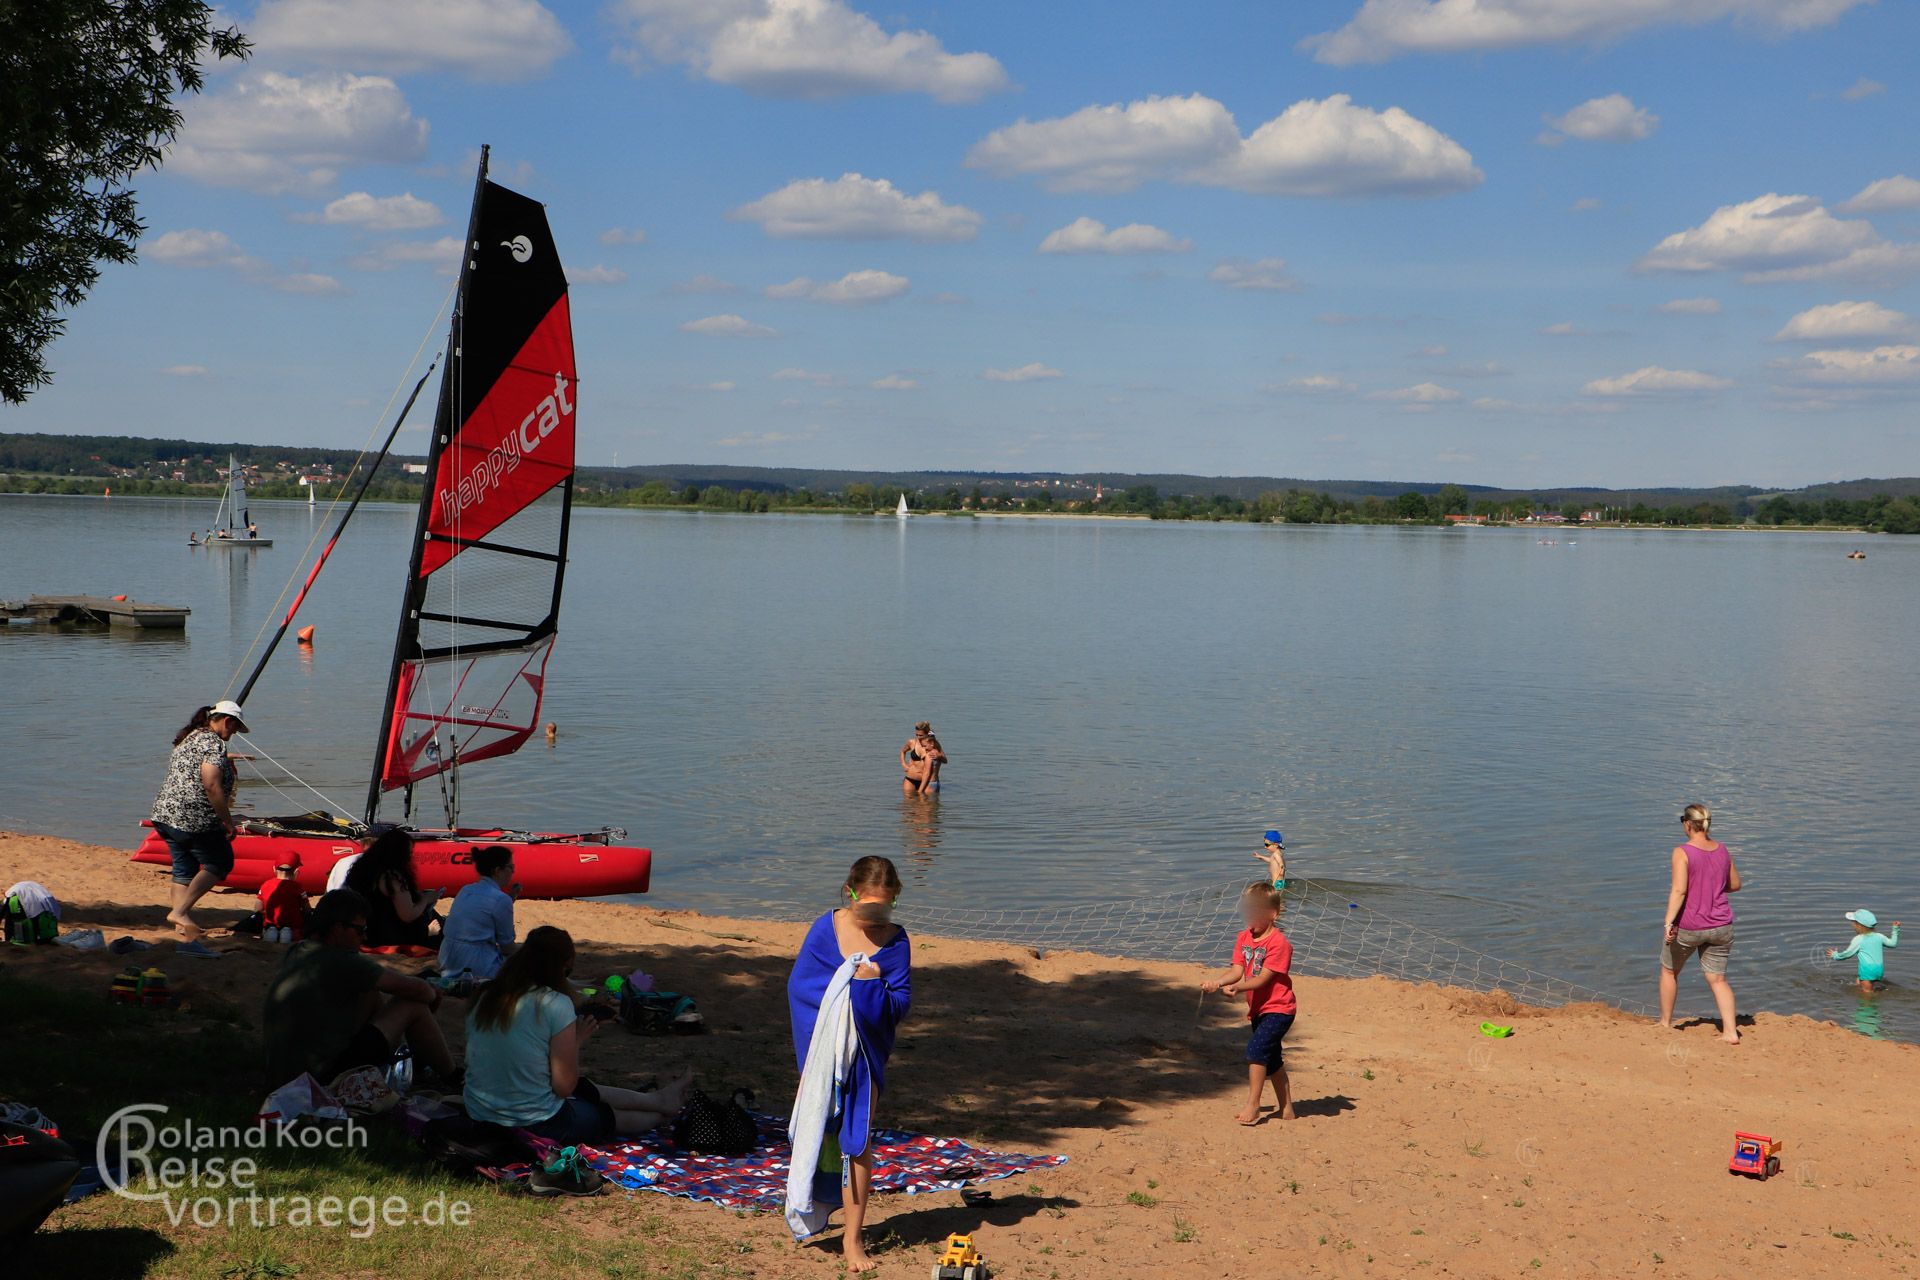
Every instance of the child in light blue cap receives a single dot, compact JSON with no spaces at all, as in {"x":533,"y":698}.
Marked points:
{"x":1274,"y":854}
{"x":1869,"y":946}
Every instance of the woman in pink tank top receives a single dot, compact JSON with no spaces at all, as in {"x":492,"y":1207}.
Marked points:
{"x":1699,"y":918}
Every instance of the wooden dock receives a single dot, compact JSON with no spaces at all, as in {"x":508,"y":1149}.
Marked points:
{"x":96,"y":611}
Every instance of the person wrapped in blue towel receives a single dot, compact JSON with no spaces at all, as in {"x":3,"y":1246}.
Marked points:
{"x":851,"y":986}
{"x":1870,"y":946}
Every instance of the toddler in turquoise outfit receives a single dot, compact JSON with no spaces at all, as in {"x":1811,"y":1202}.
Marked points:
{"x":1869,"y":946}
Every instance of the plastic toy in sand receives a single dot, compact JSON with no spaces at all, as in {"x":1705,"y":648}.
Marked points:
{"x":1495,"y":1032}
{"x":1755,"y":1155}
{"x":960,"y":1261}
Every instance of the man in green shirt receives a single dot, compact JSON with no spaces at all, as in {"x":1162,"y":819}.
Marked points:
{"x":331,"y":1009}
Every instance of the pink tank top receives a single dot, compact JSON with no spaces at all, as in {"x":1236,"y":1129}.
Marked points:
{"x":1706,"y":905}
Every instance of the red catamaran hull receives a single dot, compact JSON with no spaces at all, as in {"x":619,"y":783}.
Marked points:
{"x":545,"y":866}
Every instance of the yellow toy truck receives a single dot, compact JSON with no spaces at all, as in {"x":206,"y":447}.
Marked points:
{"x":961,"y":1261}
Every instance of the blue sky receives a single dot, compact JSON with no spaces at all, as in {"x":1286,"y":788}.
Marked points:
{"x":1518,"y":242}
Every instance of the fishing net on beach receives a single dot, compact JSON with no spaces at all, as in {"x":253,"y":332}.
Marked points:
{"x":1332,"y":937}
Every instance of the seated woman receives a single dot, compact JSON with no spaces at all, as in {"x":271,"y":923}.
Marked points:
{"x":523,"y":1055}
{"x":401,"y":913}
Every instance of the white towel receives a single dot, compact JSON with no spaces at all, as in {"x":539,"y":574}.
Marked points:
{"x":830,"y":1057}
{"x":34,"y":898}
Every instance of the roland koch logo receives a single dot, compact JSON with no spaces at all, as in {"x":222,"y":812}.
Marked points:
{"x":211,"y":1176}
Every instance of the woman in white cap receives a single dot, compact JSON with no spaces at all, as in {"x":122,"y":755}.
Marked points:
{"x":194,"y":811}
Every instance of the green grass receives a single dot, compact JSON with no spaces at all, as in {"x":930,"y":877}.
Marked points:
{"x":82,"y":1058}
{"x":1142,"y":1199}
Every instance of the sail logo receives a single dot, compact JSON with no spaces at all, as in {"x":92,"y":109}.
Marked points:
{"x":520,"y":247}
{"x":504,"y":458}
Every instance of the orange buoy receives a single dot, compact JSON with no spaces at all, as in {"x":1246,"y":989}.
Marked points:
{"x":121,"y":599}
{"x":304,"y":635}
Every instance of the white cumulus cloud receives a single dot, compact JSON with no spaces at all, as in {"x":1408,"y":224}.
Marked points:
{"x":1035,"y":372}
{"x":1090,"y":235}
{"x":1262,"y":274}
{"x":1613,"y":118}
{"x":494,"y":40}
{"x":1316,"y":384}
{"x":273,"y":133}
{"x":1656,"y":381}
{"x":801,"y":49}
{"x":1422,"y":393}
{"x":1889,"y":195}
{"x":1846,"y":322}
{"x":404,"y":212}
{"x":193,"y":247}
{"x":853,"y":207}
{"x":1862,"y":89}
{"x":613,"y":236}
{"x":597,"y":274}
{"x":1777,"y":238}
{"x":727,"y":325}
{"x":443,"y":253}
{"x":1880,"y":367}
{"x":894,"y":382}
{"x":856,"y":288}
{"x":1691,"y":307}
{"x":1316,"y":147}
{"x":1387,"y":29}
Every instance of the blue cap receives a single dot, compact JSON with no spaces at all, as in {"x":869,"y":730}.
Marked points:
{"x":1273,"y":837}
{"x":1863,"y":916}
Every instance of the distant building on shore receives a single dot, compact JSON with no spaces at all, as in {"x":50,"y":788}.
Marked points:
{"x":1466,"y":519}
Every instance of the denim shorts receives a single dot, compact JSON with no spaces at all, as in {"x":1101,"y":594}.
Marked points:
{"x":581,"y":1120}
{"x":1714,"y":946}
{"x":1263,"y":1044}
{"x":196,"y":851}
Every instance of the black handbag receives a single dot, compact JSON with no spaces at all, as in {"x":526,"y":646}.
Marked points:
{"x":717,"y":1128}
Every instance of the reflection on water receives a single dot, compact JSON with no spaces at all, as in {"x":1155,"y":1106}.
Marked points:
{"x":1866,"y":1017}
{"x":1467,"y":730}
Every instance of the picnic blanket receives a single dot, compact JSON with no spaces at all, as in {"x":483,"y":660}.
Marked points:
{"x":903,"y":1163}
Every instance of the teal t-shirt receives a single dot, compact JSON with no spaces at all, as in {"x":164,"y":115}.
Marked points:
{"x":1871,"y":948}
{"x":509,"y":1073}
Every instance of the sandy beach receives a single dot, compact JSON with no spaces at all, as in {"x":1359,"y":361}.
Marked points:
{"x":1587,"y":1144}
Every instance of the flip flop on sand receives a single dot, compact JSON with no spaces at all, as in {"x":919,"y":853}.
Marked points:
{"x":197,"y":950}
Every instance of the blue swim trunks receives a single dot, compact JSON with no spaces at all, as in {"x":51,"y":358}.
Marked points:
{"x":1263,"y":1044}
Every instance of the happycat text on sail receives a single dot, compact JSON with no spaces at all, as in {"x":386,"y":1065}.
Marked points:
{"x":504,"y":457}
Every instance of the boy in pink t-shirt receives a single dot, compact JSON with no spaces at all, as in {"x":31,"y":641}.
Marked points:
{"x":1258,"y":970}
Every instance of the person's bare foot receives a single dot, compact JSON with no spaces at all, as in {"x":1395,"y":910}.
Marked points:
{"x":856,"y":1255}
{"x":1251,"y":1116}
{"x":1286,"y":1113}
{"x":1733,"y":1038}
{"x":676,"y":1091}
{"x":185,"y":927}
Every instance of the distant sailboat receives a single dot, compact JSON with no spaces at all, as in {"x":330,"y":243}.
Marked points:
{"x":900,"y":512}
{"x":233,"y":508}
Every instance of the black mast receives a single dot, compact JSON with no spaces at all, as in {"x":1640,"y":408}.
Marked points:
{"x":407,"y":638}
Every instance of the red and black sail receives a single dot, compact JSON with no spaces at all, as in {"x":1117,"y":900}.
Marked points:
{"x":489,"y":555}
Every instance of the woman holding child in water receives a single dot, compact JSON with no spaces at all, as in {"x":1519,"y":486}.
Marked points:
{"x":920,"y":761}
{"x":851,"y":986}
{"x":1699,"y":918}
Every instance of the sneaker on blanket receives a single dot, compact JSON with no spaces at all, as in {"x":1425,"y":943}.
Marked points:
{"x":567,"y":1174}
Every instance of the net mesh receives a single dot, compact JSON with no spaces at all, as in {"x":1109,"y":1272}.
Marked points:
{"x":1332,"y":936}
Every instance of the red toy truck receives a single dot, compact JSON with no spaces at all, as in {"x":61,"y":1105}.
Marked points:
{"x":1755,"y":1155}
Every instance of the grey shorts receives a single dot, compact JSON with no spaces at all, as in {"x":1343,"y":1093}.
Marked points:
{"x":1714,"y":945}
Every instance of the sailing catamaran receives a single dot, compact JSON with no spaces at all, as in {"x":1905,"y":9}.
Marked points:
{"x":482,"y":599}
{"x":238,"y":531}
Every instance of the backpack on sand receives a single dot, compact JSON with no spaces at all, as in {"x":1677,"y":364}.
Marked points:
{"x":717,"y":1128}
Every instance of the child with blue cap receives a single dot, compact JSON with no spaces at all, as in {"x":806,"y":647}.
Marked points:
{"x":1275,"y":856}
{"x":1869,"y":946}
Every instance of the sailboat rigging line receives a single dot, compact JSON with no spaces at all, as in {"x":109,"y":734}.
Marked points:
{"x":320,"y":562}
{"x":257,"y":750}
{"x":333,"y":504}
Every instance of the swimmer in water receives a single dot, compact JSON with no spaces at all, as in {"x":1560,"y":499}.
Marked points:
{"x":1274,"y":854}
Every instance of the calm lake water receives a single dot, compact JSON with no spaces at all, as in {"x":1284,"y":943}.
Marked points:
{"x":1465,"y":728}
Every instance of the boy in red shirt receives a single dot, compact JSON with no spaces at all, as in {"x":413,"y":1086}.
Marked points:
{"x":1258,"y":970}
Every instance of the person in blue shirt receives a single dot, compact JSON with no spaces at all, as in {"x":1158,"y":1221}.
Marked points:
{"x":478,"y":934}
{"x":1869,"y":946}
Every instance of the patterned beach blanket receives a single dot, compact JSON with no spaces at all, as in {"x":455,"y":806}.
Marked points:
{"x":903,"y":1163}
